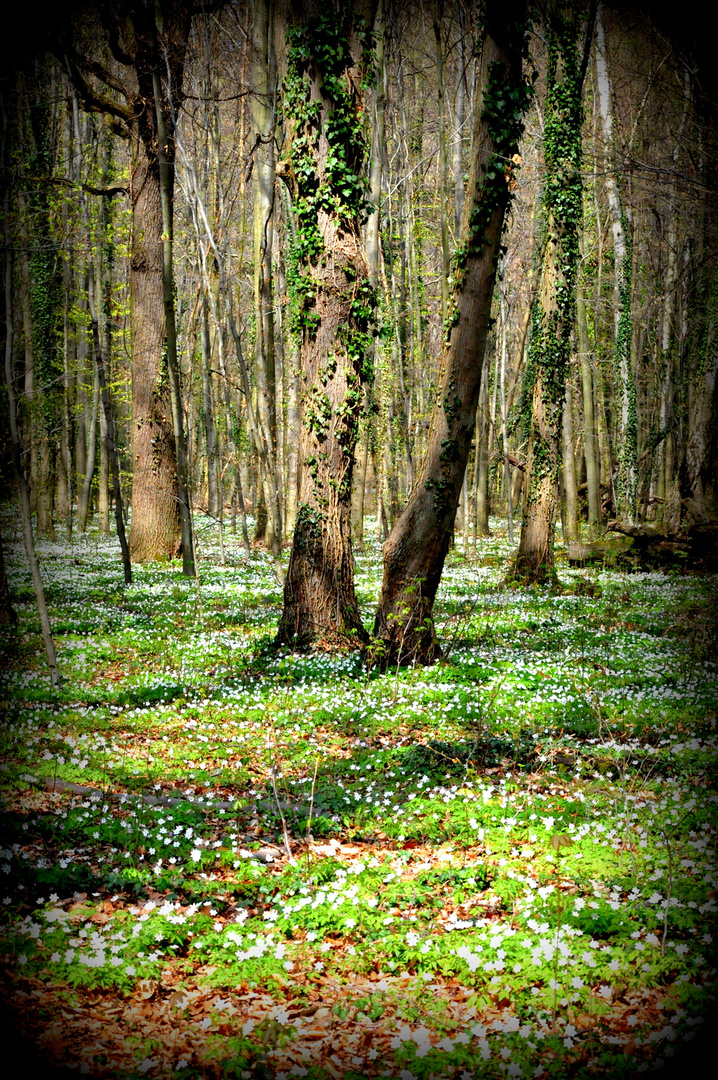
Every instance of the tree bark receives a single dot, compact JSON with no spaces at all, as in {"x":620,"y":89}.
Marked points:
{"x":165,"y":169}
{"x":481,"y":511}
{"x":263,"y":173}
{"x":8,"y":615}
{"x":325,"y":166}
{"x":590,"y":441}
{"x":23,"y":488}
{"x":415,"y":552}
{"x":85,"y":490}
{"x":626,"y":481}
{"x":697,"y":468}
{"x":553,"y":310}
{"x":149,"y":39}
{"x":570,"y":491}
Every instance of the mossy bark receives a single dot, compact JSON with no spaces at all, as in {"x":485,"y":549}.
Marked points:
{"x":553,"y":309}
{"x":334,"y":303}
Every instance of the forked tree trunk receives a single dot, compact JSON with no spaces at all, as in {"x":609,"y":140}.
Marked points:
{"x":415,"y":552}
{"x":325,"y":168}
{"x":553,"y":309}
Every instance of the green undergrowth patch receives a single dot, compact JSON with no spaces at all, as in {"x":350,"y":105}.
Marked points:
{"x":506,"y":863}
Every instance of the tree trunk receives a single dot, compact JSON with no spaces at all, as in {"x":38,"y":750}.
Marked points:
{"x":111,"y":441}
{"x":626,"y":482}
{"x":8,"y":615}
{"x":165,"y":168}
{"x":697,"y":467}
{"x":210,"y":427}
{"x":23,"y":489}
{"x":152,"y":40}
{"x":85,"y":491}
{"x":481,"y":519}
{"x":553,"y":310}
{"x":326,"y":152}
{"x":443,"y":162}
{"x":590,"y":442}
{"x":570,"y":491}
{"x":263,"y":172}
{"x":155,"y":532}
{"x":415,"y":552}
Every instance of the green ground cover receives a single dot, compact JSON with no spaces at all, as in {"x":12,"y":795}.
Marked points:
{"x":219,"y":860}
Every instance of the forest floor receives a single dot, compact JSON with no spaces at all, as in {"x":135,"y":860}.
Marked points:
{"x":500,"y":866}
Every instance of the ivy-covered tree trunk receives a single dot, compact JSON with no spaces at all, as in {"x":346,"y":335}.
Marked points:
{"x":553,"y":309}
{"x":415,"y":552}
{"x":335,"y":304}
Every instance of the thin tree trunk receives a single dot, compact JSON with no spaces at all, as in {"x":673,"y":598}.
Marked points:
{"x":504,"y":419}
{"x":111,"y":440}
{"x":415,"y":552}
{"x":263,"y":172}
{"x":570,"y":487}
{"x":85,"y":492}
{"x":8,"y":615}
{"x":481,"y":520}
{"x":590,"y":442}
{"x":697,"y":465}
{"x":166,"y":185}
{"x":443,"y":163}
{"x":210,"y":427}
{"x":626,"y":483}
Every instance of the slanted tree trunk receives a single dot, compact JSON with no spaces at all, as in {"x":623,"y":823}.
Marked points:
{"x":324,"y":167}
{"x":415,"y":552}
{"x":553,"y":309}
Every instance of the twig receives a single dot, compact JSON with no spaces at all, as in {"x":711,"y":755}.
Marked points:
{"x":285,"y":833}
